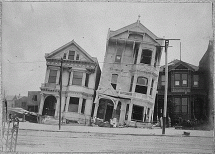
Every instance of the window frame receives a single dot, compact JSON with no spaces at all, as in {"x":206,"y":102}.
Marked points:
{"x":196,"y":81}
{"x":142,"y":60}
{"x":69,"y":55}
{"x":52,"y":78}
{"x":77,"y":78}
{"x":141,"y":85}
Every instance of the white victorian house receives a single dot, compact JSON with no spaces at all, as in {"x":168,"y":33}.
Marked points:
{"x":80,"y":78}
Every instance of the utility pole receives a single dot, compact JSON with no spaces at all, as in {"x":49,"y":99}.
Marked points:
{"x":61,"y":71}
{"x":166,"y":83}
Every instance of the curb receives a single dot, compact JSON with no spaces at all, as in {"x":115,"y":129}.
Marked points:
{"x":176,"y":135}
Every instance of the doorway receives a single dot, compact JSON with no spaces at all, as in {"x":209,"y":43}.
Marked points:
{"x":105,"y":109}
{"x":49,"y":106}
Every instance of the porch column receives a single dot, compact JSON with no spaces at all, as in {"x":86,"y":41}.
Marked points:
{"x":122,"y":113}
{"x":67,"y":103}
{"x":130,"y":112}
{"x":80,"y":105}
{"x":58,"y":77}
{"x":139,"y":54}
{"x":63,"y":101}
{"x":134,"y":83}
{"x":47,"y":75}
{"x":88,"y":109}
{"x":71,"y":77}
{"x":83,"y":79}
{"x":57,"y":106}
{"x":114,"y":108}
{"x":96,"y":105}
{"x":41,"y":104}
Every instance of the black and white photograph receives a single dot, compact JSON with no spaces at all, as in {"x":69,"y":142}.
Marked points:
{"x":107,"y":77}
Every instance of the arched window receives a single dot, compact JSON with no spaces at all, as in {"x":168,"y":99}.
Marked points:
{"x":141,"y":86}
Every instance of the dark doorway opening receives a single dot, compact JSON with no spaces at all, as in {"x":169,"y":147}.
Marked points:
{"x":49,"y":106}
{"x":105,"y":109}
{"x":137,"y":113}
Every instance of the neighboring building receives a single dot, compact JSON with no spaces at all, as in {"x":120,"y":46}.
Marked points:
{"x":206,"y":65}
{"x":11,"y":100}
{"x":34,"y":98}
{"x":129,"y":77}
{"x":22,"y":102}
{"x":80,"y":78}
{"x":187,"y":98}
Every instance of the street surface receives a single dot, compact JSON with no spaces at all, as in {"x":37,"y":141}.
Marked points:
{"x":65,"y":141}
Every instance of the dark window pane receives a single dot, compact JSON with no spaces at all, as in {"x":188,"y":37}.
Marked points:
{"x":141,"y":89}
{"x":184,"y":101}
{"x":177,"y":77}
{"x":113,"y":85}
{"x":71,"y":55}
{"x":87,"y":80}
{"x":177,"y":101}
{"x":77,"y":57}
{"x":73,"y":104}
{"x":83,"y":106}
{"x":146,"y":57}
{"x":132,"y":80}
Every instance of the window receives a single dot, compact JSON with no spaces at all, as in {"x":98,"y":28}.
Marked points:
{"x":184,"y":105}
{"x":137,"y":112}
{"x":146,"y":57}
{"x":131,"y":85}
{"x":71,"y":55}
{"x":184,"y":79}
{"x":177,"y":105}
{"x":52,"y":76}
{"x":77,"y":57}
{"x":118,"y":55}
{"x":162,"y":80}
{"x":64,"y":56}
{"x":151,"y":90}
{"x":34,"y":98}
{"x":83,"y":106}
{"x":181,"y":79}
{"x":141,"y":86}
{"x":114,"y":80}
{"x":77,"y":78}
{"x":177,"y":79}
{"x":196,"y":80}
{"x":181,"y":105}
{"x":87,"y":80}
{"x":73,"y":104}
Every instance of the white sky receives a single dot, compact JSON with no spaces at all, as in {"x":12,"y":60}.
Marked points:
{"x":31,"y":29}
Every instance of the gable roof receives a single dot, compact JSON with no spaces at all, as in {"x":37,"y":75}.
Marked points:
{"x":177,"y":63}
{"x":67,"y":45}
{"x":135,"y":27}
{"x":10,"y":97}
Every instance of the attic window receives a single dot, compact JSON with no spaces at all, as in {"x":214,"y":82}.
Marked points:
{"x":77,"y":57}
{"x":146,"y":57}
{"x":64,"y":56}
{"x":71,"y":55}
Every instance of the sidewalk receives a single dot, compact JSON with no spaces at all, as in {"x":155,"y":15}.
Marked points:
{"x":120,"y":131}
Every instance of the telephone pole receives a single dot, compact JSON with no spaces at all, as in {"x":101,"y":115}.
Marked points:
{"x":166,"y":83}
{"x":61,"y":71}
